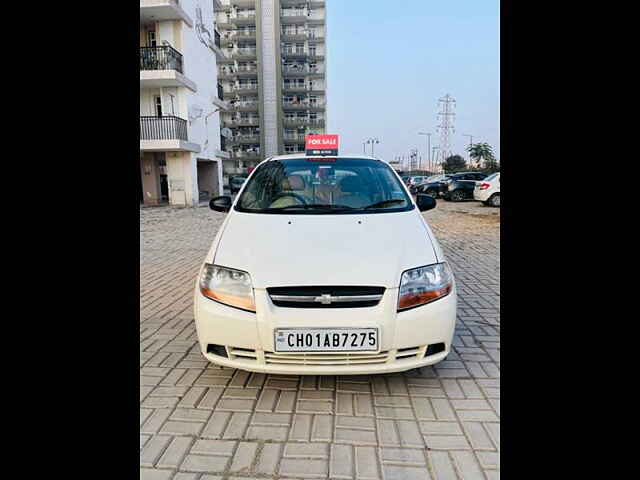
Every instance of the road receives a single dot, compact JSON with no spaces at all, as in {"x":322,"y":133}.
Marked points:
{"x":198,"y":421}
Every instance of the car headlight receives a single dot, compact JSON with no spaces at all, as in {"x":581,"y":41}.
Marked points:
{"x":228,"y":286}
{"x":423,"y":285}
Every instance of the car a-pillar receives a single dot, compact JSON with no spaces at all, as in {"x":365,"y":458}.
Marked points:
{"x":182,"y":175}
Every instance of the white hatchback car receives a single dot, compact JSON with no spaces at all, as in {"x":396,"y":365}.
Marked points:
{"x":487,"y":191}
{"x":325,"y":266}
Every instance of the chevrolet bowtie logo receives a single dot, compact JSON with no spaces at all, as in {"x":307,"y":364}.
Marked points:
{"x":324,"y":299}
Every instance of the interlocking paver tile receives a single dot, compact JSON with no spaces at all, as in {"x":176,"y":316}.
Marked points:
{"x":199,"y":421}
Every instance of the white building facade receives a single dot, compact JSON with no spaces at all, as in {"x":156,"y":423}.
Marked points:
{"x":273,"y":76}
{"x":180,"y":103}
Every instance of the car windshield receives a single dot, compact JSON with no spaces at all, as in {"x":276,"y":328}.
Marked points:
{"x":238,"y":180}
{"x":324,"y":186}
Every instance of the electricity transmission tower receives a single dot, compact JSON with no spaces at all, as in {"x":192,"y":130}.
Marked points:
{"x":445,"y":127}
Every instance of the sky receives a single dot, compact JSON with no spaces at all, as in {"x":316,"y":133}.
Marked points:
{"x":389,"y":62}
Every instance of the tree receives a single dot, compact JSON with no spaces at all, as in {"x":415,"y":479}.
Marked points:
{"x":454,"y":163}
{"x":479,"y":152}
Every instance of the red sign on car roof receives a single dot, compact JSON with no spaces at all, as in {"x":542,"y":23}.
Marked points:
{"x":319,"y":145}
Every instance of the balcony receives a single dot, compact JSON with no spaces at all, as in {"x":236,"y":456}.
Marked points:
{"x":286,"y":36}
{"x":292,"y":71}
{"x":165,"y":134}
{"x":246,"y":156}
{"x":160,"y":58}
{"x":243,"y":139}
{"x":294,"y":88}
{"x":292,"y":16}
{"x":295,"y":3}
{"x":162,"y":10}
{"x":293,"y":53}
{"x":242,"y":53}
{"x":297,"y":138}
{"x":239,"y":122}
{"x":304,"y":122}
{"x":237,"y":35}
{"x":251,"y":89}
{"x":244,"y":19}
{"x":315,"y":106}
{"x":238,"y":106}
{"x":162,"y":67}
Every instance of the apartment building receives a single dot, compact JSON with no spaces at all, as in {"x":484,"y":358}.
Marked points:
{"x":180,"y":147}
{"x":274,"y":77}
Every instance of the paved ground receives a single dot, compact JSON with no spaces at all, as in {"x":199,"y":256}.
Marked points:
{"x":201,"y":422}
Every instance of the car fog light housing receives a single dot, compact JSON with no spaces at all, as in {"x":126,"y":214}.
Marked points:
{"x":423,"y":285}
{"x":228,"y":286}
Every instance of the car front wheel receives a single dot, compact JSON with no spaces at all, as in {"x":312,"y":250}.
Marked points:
{"x":457,"y":196}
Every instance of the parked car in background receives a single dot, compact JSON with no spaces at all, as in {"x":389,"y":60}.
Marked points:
{"x":460,"y":186}
{"x":235,"y":184}
{"x":430,"y":185}
{"x":433,"y":188}
{"x":488,"y":190}
{"x":414,"y":182}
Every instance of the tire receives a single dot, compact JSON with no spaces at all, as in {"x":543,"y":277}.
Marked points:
{"x":494,"y":201}
{"x":457,"y":196}
{"x":432,"y":192}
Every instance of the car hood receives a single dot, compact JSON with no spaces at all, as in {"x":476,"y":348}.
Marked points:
{"x":297,"y":250}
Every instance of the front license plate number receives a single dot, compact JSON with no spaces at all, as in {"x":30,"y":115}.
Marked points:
{"x":326,"y":340}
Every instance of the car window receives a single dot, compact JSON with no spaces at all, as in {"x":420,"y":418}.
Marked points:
{"x":321,"y":186}
{"x":490,"y":177}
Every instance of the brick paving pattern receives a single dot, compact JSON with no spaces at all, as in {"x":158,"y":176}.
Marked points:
{"x":201,"y":422}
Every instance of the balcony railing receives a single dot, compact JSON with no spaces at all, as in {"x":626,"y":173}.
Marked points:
{"x":244,"y":138}
{"x":245,"y":155}
{"x":160,"y":58}
{"x":163,"y":128}
{"x":298,"y":69}
{"x":232,"y":122}
{"x":293,"y":51}
{"x":296,"y":137}
{"x":303,"y":104}
{"x":304,"y":121}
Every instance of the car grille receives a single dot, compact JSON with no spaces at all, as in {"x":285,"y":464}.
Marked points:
{"x":338,"y":358}
{"x":326,"y":296}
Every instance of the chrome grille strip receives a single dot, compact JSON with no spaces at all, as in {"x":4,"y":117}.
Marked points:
{"x":313,"y":298}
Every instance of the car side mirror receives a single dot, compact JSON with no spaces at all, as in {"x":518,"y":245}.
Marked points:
{"x":220,"y":204}
{"x":425,"y":202}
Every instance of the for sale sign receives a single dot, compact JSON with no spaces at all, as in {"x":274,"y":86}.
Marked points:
{"x":321,"y":144}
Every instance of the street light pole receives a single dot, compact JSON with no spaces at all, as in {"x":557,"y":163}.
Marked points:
{"x":372,"y":141}
{"x":428,"y":148}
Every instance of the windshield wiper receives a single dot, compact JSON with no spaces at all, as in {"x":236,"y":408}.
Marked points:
{"x":384,"y":203}
{"x":316,"y":206}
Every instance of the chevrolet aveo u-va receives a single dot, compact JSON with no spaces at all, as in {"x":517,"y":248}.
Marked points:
{"x":325,"y":266}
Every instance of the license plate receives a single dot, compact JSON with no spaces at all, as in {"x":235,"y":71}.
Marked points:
{"x":326,"y":340}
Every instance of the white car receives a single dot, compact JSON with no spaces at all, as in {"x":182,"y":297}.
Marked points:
{"x":487,"y":191}
{"x":325,"y":266}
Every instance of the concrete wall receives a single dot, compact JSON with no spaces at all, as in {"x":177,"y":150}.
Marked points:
{"x":200,"y":66}
{"x":208,"y":179}
{"x":150,"y":179}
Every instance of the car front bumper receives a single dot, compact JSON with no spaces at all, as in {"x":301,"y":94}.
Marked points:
{"x":248,"y":337}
